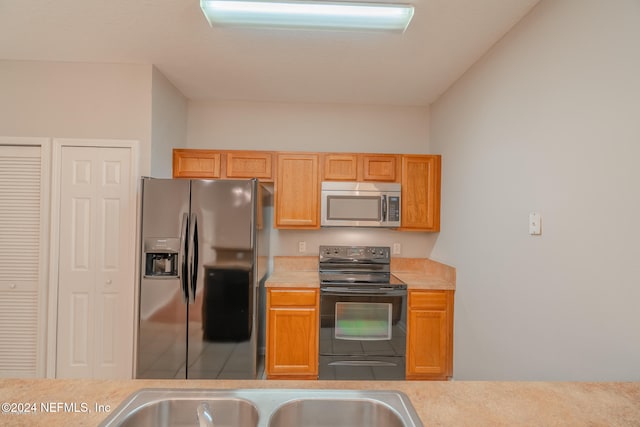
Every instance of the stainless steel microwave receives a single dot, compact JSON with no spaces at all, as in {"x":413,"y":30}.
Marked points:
{"x":360,"y":204}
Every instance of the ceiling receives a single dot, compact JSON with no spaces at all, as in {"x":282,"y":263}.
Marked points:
{"x":444,"y":39}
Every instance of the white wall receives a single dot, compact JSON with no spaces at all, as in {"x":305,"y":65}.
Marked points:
{"x":77,"y":100}
{"x":168,"y":124}
{"x":548,"y":121}
{"x":308,"y":127}
{"x":317,"y":127}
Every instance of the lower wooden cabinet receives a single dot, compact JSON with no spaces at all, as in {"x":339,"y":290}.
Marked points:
{"x":292,"y":333}
{"x":430,"y":335}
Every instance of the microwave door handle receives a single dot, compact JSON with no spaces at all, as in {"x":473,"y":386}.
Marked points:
{"x":384,"y":208}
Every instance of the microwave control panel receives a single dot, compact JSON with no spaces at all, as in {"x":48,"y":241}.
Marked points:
{"x":394,"y":209}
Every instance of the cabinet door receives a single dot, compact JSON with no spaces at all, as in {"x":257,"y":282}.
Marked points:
{"x":340,"y":167}
{"x":430,"y":335}
{"x":379,"y":167}
{"x":296,"y":195}
{"x":292,"y":334}
{"x":196,"y":164}
{"x":421,"y":192}
{"x":249,"y":164}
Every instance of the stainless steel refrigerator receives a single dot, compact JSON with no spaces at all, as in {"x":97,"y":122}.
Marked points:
{"x":204,"y":258}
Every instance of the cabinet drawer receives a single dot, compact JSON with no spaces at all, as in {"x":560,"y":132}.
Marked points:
{"x":433,"y":300}
{"x":289,"y":298}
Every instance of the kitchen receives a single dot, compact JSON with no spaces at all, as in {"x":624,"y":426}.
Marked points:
{"x":544,"y":121}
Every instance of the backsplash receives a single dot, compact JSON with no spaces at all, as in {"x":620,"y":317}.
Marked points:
{"x":412,"y":244}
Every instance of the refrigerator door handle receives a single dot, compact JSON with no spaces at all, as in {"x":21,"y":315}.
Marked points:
{"x":184,"y":267}
{"x":193,"y":277}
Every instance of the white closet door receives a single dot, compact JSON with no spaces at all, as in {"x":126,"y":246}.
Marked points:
{"x":96,"y":264}
{"x":21,"y":292}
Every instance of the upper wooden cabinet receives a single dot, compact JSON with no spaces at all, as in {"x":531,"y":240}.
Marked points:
{"x":430,"y":335}
{"x":421,"y":192}
{"x":297,"y":177}
{"x":360,"y":167}
{"x":379,"y":167}
{"x":340,"y":167}
{"x":249,"y":164}
{"x":196,"y":163}
{"x":189,"y":163}
{"x":296,"y":191}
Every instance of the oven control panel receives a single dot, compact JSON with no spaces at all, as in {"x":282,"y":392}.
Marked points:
{"x":360,"y":253}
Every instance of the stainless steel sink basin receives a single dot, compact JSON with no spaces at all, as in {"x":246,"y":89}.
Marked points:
{"x":160,"y":408}
{"x":266,"y":408}
{"x":333,"y":412}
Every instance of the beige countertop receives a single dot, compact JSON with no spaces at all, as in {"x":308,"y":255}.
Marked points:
{"x":455,"y":403}
{"x":293,"y":279}
{"x":302,"y":272}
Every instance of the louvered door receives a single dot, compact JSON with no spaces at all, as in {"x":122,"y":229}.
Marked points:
{"x":21,"y":229}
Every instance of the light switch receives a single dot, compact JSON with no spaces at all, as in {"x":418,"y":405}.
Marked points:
{"x":535,"y":227}
{"x":397,"y":248}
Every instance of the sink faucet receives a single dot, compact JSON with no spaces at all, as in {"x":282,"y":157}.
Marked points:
{"x":204,"y":415}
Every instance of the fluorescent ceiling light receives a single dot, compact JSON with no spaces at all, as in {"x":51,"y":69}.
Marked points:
{"x":308,"y":14}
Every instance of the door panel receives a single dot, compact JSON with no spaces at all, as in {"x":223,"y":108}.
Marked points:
{"x":95,"y":268}
{"x":79,"y":332}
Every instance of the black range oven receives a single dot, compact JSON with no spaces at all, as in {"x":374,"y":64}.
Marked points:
{"x":363,"y":315}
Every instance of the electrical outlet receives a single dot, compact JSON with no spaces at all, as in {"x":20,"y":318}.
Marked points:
{"x":302,"y":246}
{"x":396,"y":248}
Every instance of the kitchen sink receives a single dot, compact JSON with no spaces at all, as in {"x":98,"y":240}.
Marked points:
{"x":265,"y":408}
{"x":164,"y":408}
{"x":334,"y":412}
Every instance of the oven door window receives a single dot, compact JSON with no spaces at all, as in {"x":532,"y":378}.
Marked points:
{"x":358,"y":208}
{"x":363,"y":321}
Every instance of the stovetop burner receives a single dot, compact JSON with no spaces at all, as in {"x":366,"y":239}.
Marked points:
{"x":356,"y":265}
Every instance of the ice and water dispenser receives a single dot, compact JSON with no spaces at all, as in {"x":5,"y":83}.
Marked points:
{"x":161,"y":257}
